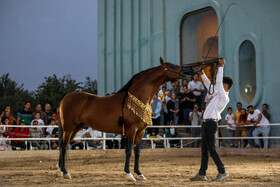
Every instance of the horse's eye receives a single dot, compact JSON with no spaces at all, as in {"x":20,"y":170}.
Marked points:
{"x":172,"y":66}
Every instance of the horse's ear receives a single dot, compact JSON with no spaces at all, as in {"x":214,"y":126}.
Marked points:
{"x":161,"y":61}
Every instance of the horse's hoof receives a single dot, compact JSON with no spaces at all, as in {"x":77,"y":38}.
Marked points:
{"x":141,"y":177}
{"x":130,"y":177}
{"x":67,"y":176}
{"x":59,"y":173}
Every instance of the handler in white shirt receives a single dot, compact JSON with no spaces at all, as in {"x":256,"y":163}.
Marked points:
{"x":211,"y":117}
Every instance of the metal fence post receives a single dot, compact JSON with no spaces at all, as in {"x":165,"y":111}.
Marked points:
{"x":104,"y":141}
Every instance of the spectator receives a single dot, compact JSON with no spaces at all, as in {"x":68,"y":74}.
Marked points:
{"x":242,"y":121}
{"x":156,"y":141}
{"x":50,"y":133}
{"x":38,"y":119}
{"x":56,"y":115}
{"x":37,"y":133}
{"x":25,"y":114}
{"x":6,"y":130}
{"x":197,"y":88}
{"x":176,"y":88}
{"x":48,"y":112}
{"x":239,"y":129}
{"x":156,"y":108}
{"x":43,"y":115}
{"x":195,"y":117}
{"x":19,"y":132}
{"x":55,"y":134}
{"x":264,"y":111}
{"x":185,"y":83}
{"x":255,"y":117}
{"x":111,"y":144}
{"x":7,"y":109}
{"x":162,"y":97}
{"x":231,"y":127}
{"x":78,"y":144}
{"x":165,"y":111}
{"x":187,"y":104}
{"x":95,"y":144}
{"x":7,"y":115}
{"x":173,"y":108}
{"x":162,"y":91}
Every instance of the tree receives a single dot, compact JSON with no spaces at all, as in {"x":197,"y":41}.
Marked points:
{"x":13,"y":95}
{"x":90,"y":86}
{"x":53,"y":89}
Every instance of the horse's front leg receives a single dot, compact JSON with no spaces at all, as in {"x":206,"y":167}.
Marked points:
{"x":128,"y":150}
{"x":137,"y":147}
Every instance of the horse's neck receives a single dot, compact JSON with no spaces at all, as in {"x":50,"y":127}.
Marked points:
{"x":146,"y":87}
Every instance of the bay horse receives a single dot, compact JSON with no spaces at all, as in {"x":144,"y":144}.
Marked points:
{"x":132,"y":103}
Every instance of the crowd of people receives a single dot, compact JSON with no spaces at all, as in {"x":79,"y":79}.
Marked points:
{"x":183,"y":105}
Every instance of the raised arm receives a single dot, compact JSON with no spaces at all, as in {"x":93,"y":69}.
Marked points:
{"x":219,"y":80}
{"x":205,"y":80}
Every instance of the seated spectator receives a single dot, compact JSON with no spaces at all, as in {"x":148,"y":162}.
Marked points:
{"x":55,"y":134}
{"x":19,"y":132}
{"x":157,"y":142}
{"x":156,"y":108}
{"x":172,"y":133}
{"x":195,"y":118}
{"x":25,"y":114}
{"x":38,"y":119}
{"x":3,"y":145}
{"x":111,"y":144}
{"x":78,"y":144}
{"x":95,"y":144}
{"x":265,"y":111}
{"x":231,"y":127}
{"x":240,"y":122}
{"x":255,"y":117}
{"x":6,"y":130}
{"x":38,"y":133}
{"x":50,"y":128}
{"x":43,"y":115}
{"x":7,"y":108}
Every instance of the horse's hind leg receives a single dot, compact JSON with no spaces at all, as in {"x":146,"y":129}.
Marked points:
{"x":64,"y":145}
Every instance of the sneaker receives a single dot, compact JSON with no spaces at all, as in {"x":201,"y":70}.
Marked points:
{"x":198,"y":177}
{"x":221,"y":176}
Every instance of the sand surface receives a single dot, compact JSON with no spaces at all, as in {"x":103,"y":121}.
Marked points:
{"x":160,"y":170}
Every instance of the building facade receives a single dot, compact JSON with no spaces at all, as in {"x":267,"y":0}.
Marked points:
{"x":133,"y":34}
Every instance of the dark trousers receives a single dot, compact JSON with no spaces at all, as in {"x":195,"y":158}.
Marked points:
{"x":208,"y":130}
{"x":21,"y":145}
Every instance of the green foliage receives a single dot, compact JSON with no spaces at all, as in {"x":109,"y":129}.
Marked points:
{"x":13,"y":95}
{"x":90,"y":86}
{"x":51,"y":91}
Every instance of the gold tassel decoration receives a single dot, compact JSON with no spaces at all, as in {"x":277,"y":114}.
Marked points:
{"x":141,"y":110}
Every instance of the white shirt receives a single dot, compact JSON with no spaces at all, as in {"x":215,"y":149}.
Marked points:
{"x":207,"y":83}
{"x":219,"y":101}
{"x":231,"y":120}
{"x":195,"y":85}
{"x":94,"y":133}
{"x":40,"y":122}
{"x":255,"y":116}
{"x":80,"y":134}
{"x":50,"y":129}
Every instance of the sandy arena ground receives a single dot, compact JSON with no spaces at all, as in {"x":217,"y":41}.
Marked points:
{"x":161,"y":169}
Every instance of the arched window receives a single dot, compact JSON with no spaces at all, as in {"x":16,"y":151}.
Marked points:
{"x":247,"y":71}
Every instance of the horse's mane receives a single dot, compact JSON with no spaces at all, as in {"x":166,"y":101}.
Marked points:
{"x":126,"y":87}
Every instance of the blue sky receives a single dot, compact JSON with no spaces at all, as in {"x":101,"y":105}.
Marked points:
{"x":41,"y":38}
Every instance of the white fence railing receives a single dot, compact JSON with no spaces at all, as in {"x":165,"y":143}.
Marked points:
{"x":165,"y":139}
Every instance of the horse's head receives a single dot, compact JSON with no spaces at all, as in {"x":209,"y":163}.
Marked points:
{"x":173,"y":71}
